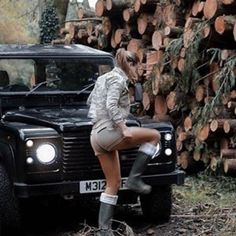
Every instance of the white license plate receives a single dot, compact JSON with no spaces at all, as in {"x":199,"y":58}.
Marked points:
{"x":95,"y":186}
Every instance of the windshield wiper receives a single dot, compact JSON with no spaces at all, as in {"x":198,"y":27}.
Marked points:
{"x":84,"y":89}
{"x":40,"y":84}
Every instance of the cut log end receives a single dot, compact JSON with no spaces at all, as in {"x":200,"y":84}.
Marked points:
{"x":210,"y":8}
{"x":188,"y":123}
{"x":99,"y":8}
{"x":203,"y":133}
{"x":230,"y":167}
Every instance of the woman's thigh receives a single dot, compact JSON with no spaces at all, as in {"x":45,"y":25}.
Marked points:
{"x":111,"y":168}
{"x":138,"y":136}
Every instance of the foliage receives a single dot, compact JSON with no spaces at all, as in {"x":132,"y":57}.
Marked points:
{"x":18,"y":21}
{"x":226,"y":80}
{"x":190,"y":74}
{"x":49,"y":24}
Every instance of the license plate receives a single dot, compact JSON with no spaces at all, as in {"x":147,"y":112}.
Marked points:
{"x":96,"y":186}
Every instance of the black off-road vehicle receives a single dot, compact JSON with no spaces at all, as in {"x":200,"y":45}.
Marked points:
{"x":45,"y":133}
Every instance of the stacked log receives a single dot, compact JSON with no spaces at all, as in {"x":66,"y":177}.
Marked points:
{"x":187,"y":51}
{"x":82,"y":26}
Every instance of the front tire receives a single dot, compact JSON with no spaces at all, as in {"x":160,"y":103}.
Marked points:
{"x":9,"y":211}
{"x":157,"y":205}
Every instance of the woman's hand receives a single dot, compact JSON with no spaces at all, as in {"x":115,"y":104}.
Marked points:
{"x":127,"y":133}
{"x":125,"y":130}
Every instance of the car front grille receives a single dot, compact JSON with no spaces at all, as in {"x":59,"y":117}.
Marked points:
{"x":79,"y":161}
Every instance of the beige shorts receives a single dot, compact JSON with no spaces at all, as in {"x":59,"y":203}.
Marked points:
{"x":104,"y":138}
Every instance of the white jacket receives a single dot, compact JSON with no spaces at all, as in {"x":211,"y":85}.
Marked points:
{"x":109,"y":100}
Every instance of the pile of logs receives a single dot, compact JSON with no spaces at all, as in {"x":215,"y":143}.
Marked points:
{"x":187,"y":51}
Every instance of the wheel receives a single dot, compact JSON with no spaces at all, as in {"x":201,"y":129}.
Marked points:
{"x":157,"y":205}
{"x":9,"y":210}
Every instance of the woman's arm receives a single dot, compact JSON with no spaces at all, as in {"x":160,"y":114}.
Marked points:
{"x":114,"y":91}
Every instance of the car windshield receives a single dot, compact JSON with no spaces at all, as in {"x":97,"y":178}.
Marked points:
{"x":24,"y":75}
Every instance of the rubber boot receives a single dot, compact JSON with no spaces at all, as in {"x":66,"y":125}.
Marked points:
{"x":106,"y":211}
{"x":134,"y":181}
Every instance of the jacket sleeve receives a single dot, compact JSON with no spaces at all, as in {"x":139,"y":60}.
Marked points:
{"x":114,"y":89}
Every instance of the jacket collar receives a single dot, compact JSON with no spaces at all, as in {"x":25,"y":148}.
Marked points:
{"x":121,"y":72}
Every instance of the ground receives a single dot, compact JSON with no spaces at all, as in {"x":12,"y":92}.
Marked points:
{"x":204,"y":205}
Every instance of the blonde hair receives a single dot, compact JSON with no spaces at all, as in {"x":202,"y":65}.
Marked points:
{"x":123,"y":59}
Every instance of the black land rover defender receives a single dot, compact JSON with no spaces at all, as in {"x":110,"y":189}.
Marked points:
{"x":45,"y":133}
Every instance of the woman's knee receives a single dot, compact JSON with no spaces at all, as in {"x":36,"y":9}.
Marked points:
{"x":156,"y":137}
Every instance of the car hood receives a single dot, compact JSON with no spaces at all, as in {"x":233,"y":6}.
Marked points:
{"x":65,"y":119}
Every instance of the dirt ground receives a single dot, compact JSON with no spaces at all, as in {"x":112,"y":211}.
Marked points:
{"x":205,"y":205}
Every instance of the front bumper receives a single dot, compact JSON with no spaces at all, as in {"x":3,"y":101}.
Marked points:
{"x":23,"y":190}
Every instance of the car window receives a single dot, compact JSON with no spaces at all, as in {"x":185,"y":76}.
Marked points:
{"x":15,"y":74}
{"x":54,"y":74}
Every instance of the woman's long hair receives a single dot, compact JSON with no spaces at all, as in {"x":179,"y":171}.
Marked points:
{"x":124,"y":59}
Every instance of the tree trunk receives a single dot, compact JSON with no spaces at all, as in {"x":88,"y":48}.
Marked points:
{"x":225,"y":24}
{"x":157,"y":39}
{"x":214,"y":8}
{"x":188,"y":124}
{"x":228,"y":153}
{"x":230,"y":167}
{"x":160,"y":105}
{"x":203,"y":133}
{"x":61,"y":8}
{"x":118,"y":5}
{"x":85,"y":13}
{"x":217,"y":124}
{"x":128,"y":13}
{"x":229,"y":125}
{"x":144,"y":23}
{"x":100,"y":8}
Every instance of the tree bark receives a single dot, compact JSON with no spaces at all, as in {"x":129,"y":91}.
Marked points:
{"x":85,"y":13}
{"x":160,"y":105}
{"x":228,"y":153}
{"x":146,"y":101}
{"x":230,"y":167}
{"x":173,"y":31}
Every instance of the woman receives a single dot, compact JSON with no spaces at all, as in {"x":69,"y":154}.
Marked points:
{"x":109,"y":107}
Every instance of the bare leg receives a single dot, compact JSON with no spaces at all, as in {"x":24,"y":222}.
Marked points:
{"x":149,"y":139}
{"x":111,"y":168}
{"x":139,"y":136}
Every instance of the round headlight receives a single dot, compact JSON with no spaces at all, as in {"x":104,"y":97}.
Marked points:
{"x":168,"y":152}
{"x":29,"y":143}
{"x":46,"y":153}
{"x":168,"y":137}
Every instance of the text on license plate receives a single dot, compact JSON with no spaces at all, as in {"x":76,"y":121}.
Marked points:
{"x":95,"y":186}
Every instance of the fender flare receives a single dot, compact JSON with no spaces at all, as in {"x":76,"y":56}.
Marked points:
{"x":7,"y":159}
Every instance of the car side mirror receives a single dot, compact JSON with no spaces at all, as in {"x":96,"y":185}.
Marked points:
{"x":138,"y":92}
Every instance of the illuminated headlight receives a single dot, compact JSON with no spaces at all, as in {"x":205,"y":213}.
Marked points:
{"x":29,"y":160}
{"x":168,"y":152}
{"x":29,"y":143}
{"x":168,"y":137}
{"x":46,"y":153}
